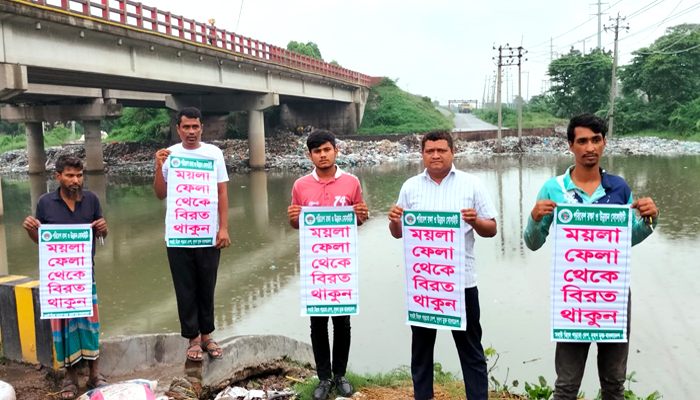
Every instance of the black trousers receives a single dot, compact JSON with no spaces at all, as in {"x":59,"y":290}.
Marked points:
{"x":194,"y":276}
{"x":321,"y":345}
{"x":469,"y":349}
{"x":570,"y":362}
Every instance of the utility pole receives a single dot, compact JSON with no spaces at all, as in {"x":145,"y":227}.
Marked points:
{"x":500,"y":120}
{"x":483,"y":97}
{"x":520,"y":96}
{"x":551,"y":49}
{"x":613,"y":82}
{"x":507,"y":60}
{"x":584,"y":45}
{"x":600,"y":23}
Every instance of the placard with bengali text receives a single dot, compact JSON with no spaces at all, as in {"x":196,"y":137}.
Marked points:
{"x":192,"y":213}
{"x":590,"y":272}
{"x":65,"y":271}
{"x":434,"y":259}
{"x":329,"y":262}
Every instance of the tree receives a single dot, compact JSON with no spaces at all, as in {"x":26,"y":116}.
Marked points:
{"x":309,"y":49}
{"x":336,"y":63}
{"x":580,"y":83}
{"x":667,"y":73}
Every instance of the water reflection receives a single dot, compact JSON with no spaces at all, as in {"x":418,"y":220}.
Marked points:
{"x":258,"y":290}
{"x":38,"y":186}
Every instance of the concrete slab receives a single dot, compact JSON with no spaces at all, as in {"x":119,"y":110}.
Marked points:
{"x":163,"y":355}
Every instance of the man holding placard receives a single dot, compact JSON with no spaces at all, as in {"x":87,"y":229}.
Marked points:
{"x":66,"y":225}
{"x":192,"y":176}
{"x":594,"y":230}
{"x":333,"y":279}
{"x":440,"y":247}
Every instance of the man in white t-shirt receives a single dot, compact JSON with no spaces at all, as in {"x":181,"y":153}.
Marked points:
{"x":194,"y":269}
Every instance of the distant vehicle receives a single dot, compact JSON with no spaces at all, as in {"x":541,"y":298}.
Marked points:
{"x":465,"y":108}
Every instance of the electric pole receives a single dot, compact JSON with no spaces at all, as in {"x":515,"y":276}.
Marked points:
{"x":483,"y":97}
{"x":507,"y":60}
{"x":498,"y":89}
{"x":600,"y":23}
{"x":613,"y":82}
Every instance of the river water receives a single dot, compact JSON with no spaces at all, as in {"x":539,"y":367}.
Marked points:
{"x":258,"y":291}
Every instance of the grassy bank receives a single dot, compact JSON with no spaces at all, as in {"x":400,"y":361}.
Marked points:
{"x":54,"y":137}
{"x":510,"y":118}
{"x":391,"y":110}
{"x":397,"y":384}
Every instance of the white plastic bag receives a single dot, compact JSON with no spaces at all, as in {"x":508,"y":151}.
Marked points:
{"x":130,"y":390}
{"x":7,"y":392}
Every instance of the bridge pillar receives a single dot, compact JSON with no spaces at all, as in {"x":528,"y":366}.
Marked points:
{"x":93,"y":147}
{"x":35,"y":147}
{"x":37,"y":187}
{"x":256,"y":139}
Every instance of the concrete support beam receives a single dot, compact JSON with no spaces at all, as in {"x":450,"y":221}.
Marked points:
{"x":35,"y":147}
{"x":73,"y":112}
{"x":256,"y":139}
{"x":13,"y":80}
{"x":223,"y":104}
{"x":37,"y":187}
{"x":93,"y":147}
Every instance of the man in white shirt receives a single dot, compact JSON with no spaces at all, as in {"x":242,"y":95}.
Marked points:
{"x":194,"y":270}
{"x":442,"y":187}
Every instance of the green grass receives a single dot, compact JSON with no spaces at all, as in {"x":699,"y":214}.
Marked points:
{"x":663,"y":135}
{"x":391,"y":110}
{"x":510,"y":118}
{"x":400,"y":377}
{"x":54,"y":137}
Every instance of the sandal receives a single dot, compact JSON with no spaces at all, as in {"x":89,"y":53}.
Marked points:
{"x":212,"y":350}
{"x":92,"y":382}
{"x":69,"y":386}
{"x":198,"y":352}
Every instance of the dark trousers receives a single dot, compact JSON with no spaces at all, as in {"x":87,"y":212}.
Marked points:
{"x":570,"y":362}
{"x":321,"y":345}
{"x":194,"y":276}
{"x":469,"y":349}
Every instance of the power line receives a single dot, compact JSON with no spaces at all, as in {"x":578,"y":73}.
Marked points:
{"x":576,"y":27}
{"x":669,"y":14}
{"x":239,"y":16}
{"x":645,"y":9}
{"x":672,"y":52}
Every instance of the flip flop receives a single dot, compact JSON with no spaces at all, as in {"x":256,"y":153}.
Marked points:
{"x":198,"y":352}
{"x":69,"y":386}
{"x":211,"y":350}
{"x":92,"y":383}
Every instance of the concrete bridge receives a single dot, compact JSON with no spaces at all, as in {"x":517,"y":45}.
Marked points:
{"x":84,"y":60}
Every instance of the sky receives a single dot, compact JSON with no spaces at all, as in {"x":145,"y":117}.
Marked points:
{"x":442,"y":49}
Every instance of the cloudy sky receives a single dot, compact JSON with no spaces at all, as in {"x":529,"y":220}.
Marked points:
{"x":441,"y":49}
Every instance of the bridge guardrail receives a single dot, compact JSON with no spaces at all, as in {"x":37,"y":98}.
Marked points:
{"x":137,"y":15}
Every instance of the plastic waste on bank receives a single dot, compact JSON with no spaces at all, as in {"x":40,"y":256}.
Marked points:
{"x":7,"y":392}
{"x":137,"y":389}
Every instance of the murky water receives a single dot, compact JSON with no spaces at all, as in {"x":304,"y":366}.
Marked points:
{"x":258,"y":288}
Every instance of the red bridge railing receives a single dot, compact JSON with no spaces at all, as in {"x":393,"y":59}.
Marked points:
{"x":135,"y":14}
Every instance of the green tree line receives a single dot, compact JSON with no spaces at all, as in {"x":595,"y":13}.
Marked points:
{"x":660,"y":87}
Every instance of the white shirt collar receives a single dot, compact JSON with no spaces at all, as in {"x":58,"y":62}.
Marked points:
{"x":452,"y":172}
{"x":338,"y":172}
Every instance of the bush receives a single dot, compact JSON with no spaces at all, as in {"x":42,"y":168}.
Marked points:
{"x":141,"y":125}
{"x":686,"y":118}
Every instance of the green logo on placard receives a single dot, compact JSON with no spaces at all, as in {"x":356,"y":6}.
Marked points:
{"x":310,"y":219}
{"x":175,"y":162}
{"x":410,"y":219}
{"x":565,"y":216}
{"x":46,"y":236}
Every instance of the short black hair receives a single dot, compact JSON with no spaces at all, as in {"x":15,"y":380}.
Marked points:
{"x":189,"y":112}
{"x":68,"y":160}
{"x":318,"y":137}
{"x":434,"y":136}
{"x":590,"y":121}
